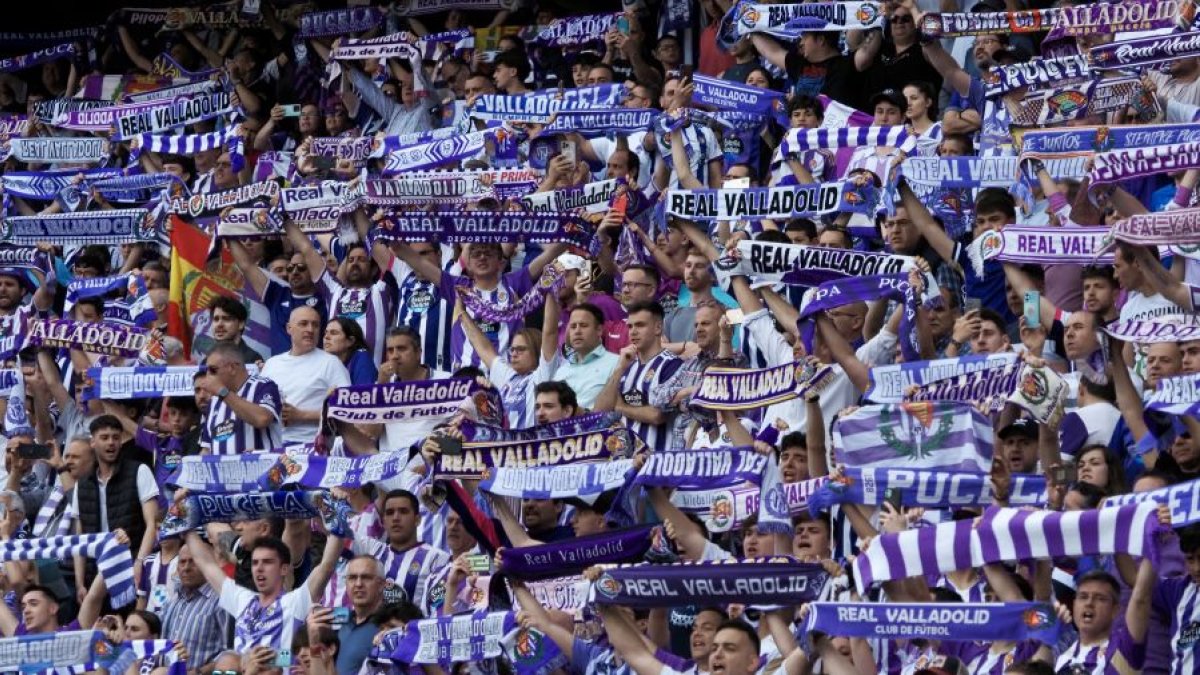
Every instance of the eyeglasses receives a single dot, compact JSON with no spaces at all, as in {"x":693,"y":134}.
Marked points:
{"x":296,"y":268}
{"x":637,"y":284}
{"x":518,"y":349}
{"x":902,"y":18}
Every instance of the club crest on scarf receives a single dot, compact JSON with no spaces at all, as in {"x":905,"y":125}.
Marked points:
{"x":286,"y":466}
{"x":1034,"y":387}
{"x":918,"y":425}
{"x":1037,"y":617}
{"x":608,"y":586}
{"x":721,"y":515}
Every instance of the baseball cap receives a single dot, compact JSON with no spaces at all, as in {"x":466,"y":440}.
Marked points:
{"x":1024,"y":427}
{"x":891,"y":96}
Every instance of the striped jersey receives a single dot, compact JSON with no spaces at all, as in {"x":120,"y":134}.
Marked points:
{"x":371,"y":307}
{"x":223,"y":433}
{"x":1179,"y":598}
{"x":406,"y":573}
{"x":512,"y":287}
{"x":653,"y":383}
{"x":256,"y":625}
{"x":423,"y":308}
{"x":1118,"y":655}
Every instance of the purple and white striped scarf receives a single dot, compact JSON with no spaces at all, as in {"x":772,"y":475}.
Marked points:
{"x":1145,"y":51}
{"x":113,"y":560}
{"x":599,"y":121}
{"x":1038,"y":72}
{"x":593,"y":446}
{"x":1040,"y":245}
{"x":1007,"y":535}
{"x":703,"y":469}
{"x":789,"y":21}
{"x":191,"y":144}
{"x":45,"y":185}
{"x":726,"y":509}
{"x":38,"y":57}
{"x":799,"y":140}
{"x":550,"y":282}
{"x":340,"y":21}
{"x":923,"y":488}
{"x":576,"y":30}
{"x":738,"y":389}
{"x":13,"y":125}
{"x":986,"y":390}
{"x":930,"y":435}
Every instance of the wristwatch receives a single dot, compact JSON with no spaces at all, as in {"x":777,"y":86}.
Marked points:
{"x":222,"y":393}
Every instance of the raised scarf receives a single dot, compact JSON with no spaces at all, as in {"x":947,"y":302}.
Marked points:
{"x":929,"y":435}
{"x":340,"y":21}
{"x":551,"y":281}
{"x":212,"y":203}
{"x":1047,"y":144}
{"x":1073,"y":101}
{"x":740,"y":389}
{"x":702,"y":469}
{"x":115,"y":226}
{"x":946,"y":621}
{"x":1145,"y":51}
{"x":776,"y":581}
{"x":1009,"y":535}
{"x":433,"y":154}
{"x":1036,"y":73}
{"x":1164,"y":228}
{"x":222,"y":473}
{"x":433,"y":187}
{"x":113,"y":560}
{"x":572,"y":556}
{"x":1099,"y":18}
{"x":45,"y":185}
{"x":446,"y":640}
{"x":130,"y":382}
{"x":1039,"y":245}
{"x":1183,"y":500}
{"x":928,"y":489}
{"x":724,"y":94}
{"x":196,"y":510}
{"x":841,"y":292}
{"x":591,"y":197}
{"x":591,"y":446}
{"x":573,"y":31}
{"x":557,"y":482}
{"x":476,"y":434}
{"x":37,"y":57}
{"x":58,"y":150}
{"x":888,"y":384}
{"x":810,"y":265}
{"x":493,"y":227}
{"x":94,"y":338}
{"x":324,"y":472}
{"x":774,"y":203}
{"x":1166,"y":328}
{"x":58,"y":652}
{"x":396,"y":45}
{"x":959,"y":172}
{"x":162,"y":115}
{"x":799,"y":140}
{"x":727,"y":508}
{"x":986,"y":390}
{"x":789,"y":21}
{"x":600,"y":121}
{"x":399,"y":401}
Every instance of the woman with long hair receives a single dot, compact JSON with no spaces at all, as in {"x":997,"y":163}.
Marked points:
{"x":344,"y":339}
{"x":921,"y":117}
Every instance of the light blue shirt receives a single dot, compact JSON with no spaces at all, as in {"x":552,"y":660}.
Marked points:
{"x":586,"y":375}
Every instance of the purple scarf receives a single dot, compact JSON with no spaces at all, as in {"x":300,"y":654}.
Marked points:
{"x":486,"y":227}
{"x":573,"y":556}
{"x":748,"y":582}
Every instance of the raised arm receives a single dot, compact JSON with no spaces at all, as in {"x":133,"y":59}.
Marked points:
{"x":954,"y":76}
{"x":479,"y":342}
{"x":687,"y":534}
{"x":1137,"y":612}
{"x":202,"y":554}
{"x":855,"y":369}
{"x":420,"y":266}
{"x":300,"y":242}
{"x":324,"y":570}
{"x":253,"y":274}
{"x":628,"y":642}
{"x":933,"y":233}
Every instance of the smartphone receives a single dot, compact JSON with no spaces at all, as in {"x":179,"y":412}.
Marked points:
{"x":1033,"y":309}
{"x":736,"y":184}
{"x":33,"y":451}
{"x":735,"y":316}
{"x":892,"y":496}
{"x":480,"y":563}
{"x":1066,"y":473}
{"x":973,"y":305}
{"x":283,"y":658}
{"x":488,"y":56}
{"x":567,"y":149}
{"x":341,"y":616}
{"x":324,"y":163}
{"x":623,"y":24}
{"x":448,"y":445}
{"x":291,"y":110}
{"x":585,"y":274}
{"x":620,"y":203}
{"x":685,"y":72}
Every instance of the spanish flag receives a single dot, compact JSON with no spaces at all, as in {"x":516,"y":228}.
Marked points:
{"x":195,"y":281}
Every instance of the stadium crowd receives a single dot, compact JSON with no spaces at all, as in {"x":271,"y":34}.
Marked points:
{"x":667,"y":338}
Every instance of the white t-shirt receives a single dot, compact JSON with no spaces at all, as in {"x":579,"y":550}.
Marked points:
{"x":1138,"y":306}
{"x":304,"y":381}
{"x":146,"y":486}
{"x":271,"y":626}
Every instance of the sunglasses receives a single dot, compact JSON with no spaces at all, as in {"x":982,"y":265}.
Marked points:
{"x":296,"y":268}
{"x":902,"y":18}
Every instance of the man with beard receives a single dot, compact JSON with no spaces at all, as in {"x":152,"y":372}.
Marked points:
{"x":280,"y":297}
{"x":362,"y":295}
{"x":228,"y":326}
{"x":583,"y":362}
{"x":13,"y":314}
{"x":698,"y":290}
{"x":265,"y":616}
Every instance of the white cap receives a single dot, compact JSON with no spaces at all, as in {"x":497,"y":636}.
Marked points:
{"x":570,"y":261}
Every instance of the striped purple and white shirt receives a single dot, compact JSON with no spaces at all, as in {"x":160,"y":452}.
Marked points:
{"x":372,"y":307}
{"x":512,"y":287}
{"x":1118,"y":654}
{"x":653,"y":383}
{"x":224,"y":433}
{"x":1179,"y":598}
{"x":406,"y":573}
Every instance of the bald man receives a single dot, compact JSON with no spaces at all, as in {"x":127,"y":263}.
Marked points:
{"x":305,"y":375}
